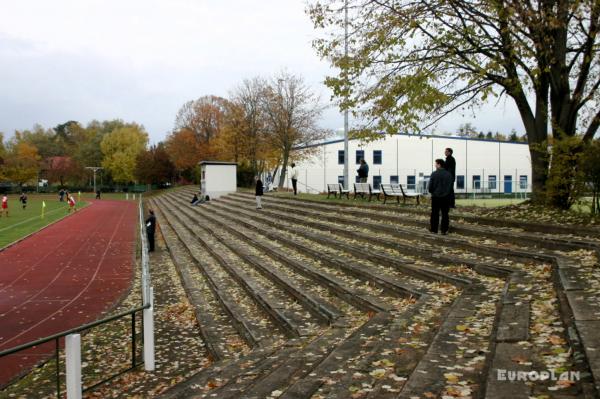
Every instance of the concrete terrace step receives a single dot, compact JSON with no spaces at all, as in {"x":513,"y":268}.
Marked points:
{"x":582,"y":231}
{"x":540,"y":240}
{"x":353,"y":296}
{"x":243,"y":315}
{"x":271,"y":301}
{"x":213,"y":322}
{"x":422,"y":272}
{"x":404,"y":265}
{"x":437,"y":346}
{"x":392,"y":285}
{"x":320,"y":308}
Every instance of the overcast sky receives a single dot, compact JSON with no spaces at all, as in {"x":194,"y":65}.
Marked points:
{"x":140,"y":60}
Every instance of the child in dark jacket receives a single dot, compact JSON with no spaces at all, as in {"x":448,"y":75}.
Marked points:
{"x":259,"y":192}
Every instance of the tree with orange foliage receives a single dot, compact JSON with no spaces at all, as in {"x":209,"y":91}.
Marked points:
{"x":22,"y":163}
{"x":184,"y":151}
{"x":204,"y":117}
{"x":60,"y":169}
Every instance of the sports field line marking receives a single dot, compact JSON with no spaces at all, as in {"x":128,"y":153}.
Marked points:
{"x":81,"y":291}
{"x":30,"y":219}
{"x":40,"y":260}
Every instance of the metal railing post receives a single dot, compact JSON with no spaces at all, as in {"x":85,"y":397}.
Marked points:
{"x":57,"y":357}
{"x":73,"y":365}
{"x":149,"y":333}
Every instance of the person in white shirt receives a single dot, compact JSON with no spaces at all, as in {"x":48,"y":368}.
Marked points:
{"x":294,"y":177}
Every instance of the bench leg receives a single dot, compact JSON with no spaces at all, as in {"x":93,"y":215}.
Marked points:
{"x":328,"y":194}
{"x":397,"y":200}
{"x":418,"y":200}
{"x":347,"y":195}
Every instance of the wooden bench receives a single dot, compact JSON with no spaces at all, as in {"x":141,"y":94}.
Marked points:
{"x":363,"y":189}
{"x":391,"y":190}
{"x":410,"y":194}
{"x":336,"y":189}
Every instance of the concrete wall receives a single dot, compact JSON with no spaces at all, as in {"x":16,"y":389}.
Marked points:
{"x":217,"y":180}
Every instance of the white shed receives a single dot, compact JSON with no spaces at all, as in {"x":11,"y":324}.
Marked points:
{"x":217,"y":178}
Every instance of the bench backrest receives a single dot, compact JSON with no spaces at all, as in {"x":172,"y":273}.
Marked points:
{"x":391,"y":189}
{"x":333,"y":187}
{"x":362,"y":187}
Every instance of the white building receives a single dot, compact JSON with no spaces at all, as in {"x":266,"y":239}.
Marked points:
{"x":217,"y":178}
{"x":482,"y":166}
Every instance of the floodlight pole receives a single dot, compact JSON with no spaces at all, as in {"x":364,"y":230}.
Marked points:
{"x":346,"y":151}
{"x":94,"y":169}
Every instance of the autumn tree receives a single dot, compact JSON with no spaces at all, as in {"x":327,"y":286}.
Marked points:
{"x":184,"y":151}
{"x":62,"y":169}
{"x":120,"y":149}
{"x":21,"y":165}
{"x":204,"y":118}
{"x":414,"y":62}
{"x":291,"y":112}
{"x":249,"y":96}
{"x":153,"y":166}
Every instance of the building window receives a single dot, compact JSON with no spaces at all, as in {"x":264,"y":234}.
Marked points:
{"x":411,"y":182}
{"x":376,"y":182}
{"x":360,"y":154}
{"x":377,"y":157}
{"x":523,"y":182}
{"x":341,"y":159}
{"x":460,"y":182}
{"x":341,"y":180}
{"x":476,"y":182}
{"x":492,"y":182}
{"x":394,"y":179}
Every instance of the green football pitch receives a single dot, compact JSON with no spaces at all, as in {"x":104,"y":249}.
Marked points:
{"x":22,"y":222}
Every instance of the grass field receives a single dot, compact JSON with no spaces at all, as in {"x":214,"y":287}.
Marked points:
{"x":23,"y":222}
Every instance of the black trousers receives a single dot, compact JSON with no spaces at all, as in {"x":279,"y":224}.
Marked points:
{"x":150,"y":234}
{"x":295,"y":186}
{"x":440,"y":205}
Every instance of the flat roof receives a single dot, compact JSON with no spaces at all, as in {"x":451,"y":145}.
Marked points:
{"x":216,"y":163}
{"x":426,"y":136}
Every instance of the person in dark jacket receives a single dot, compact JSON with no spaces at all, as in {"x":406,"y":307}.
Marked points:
{"x":363,"y":171}
{"x":150,"y":230}
{"x":440,"y":187}
{"x":195,"y":200}
{"x":259,"y":192}
{"x":450,"y":166}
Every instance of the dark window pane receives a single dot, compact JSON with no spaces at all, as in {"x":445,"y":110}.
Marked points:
{"x":360,"y":154}
{"x":376,"y":182}
{"x":377,"y":157}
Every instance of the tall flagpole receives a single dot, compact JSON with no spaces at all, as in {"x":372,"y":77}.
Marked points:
{"x":346,"y":151}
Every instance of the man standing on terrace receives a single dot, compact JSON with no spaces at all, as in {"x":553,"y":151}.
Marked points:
{"x":363,"y":171}
{"x":440,"y":187}
{"x":450,"y":166}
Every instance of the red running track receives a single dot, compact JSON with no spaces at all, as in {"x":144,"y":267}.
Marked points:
{"x":65,"y":275}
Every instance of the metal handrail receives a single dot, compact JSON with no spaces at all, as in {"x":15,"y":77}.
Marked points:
{"x":71,"y":331}
{"x":146,"y":304}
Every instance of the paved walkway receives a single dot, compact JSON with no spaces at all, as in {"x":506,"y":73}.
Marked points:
{"x":65,"y":275}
